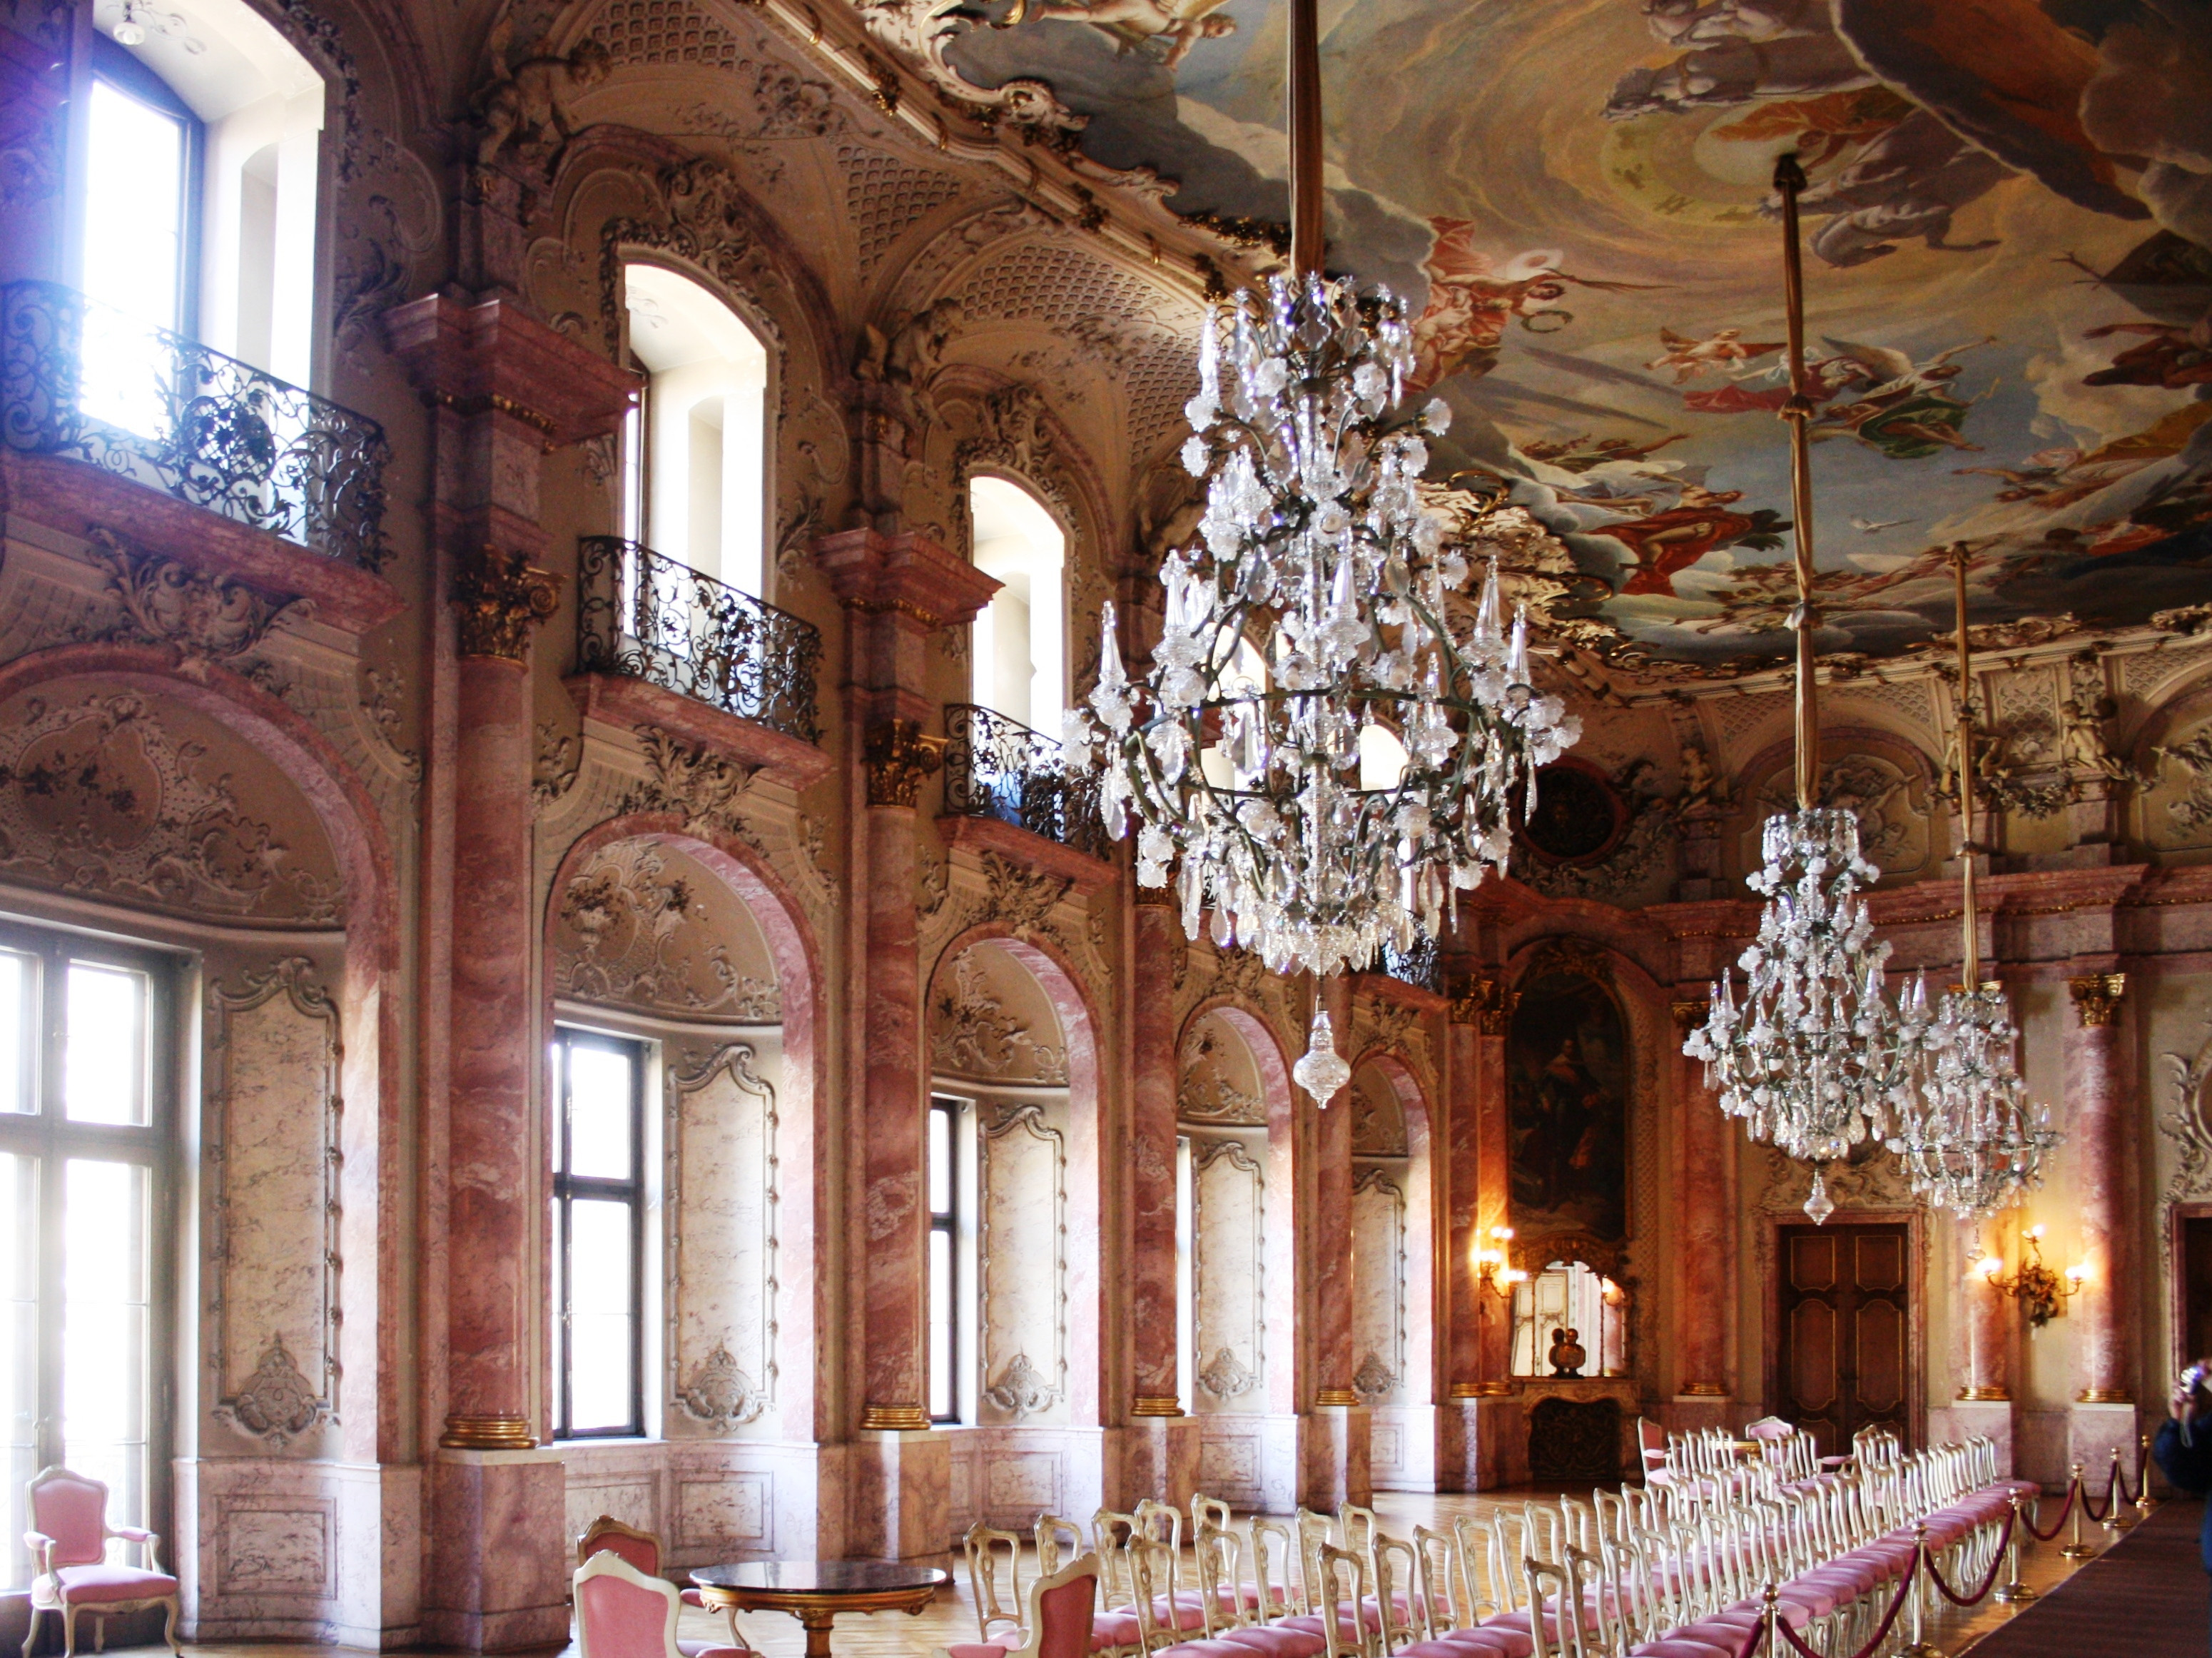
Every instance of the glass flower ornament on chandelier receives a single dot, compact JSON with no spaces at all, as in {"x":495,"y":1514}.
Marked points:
{"x":1308,"y":624}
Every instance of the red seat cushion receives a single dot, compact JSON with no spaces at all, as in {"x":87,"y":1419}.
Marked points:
{"x":1276,"y":1641}
{"x":96,"y":1584}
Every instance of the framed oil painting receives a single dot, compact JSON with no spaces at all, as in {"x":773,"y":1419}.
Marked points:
{"x":1567,"y":1071}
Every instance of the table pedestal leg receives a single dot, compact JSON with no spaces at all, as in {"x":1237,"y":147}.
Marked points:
{"x":817,"y":1624}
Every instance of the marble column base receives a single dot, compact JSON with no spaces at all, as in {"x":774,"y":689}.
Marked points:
{"x":1334,"y":1445}
{"x":1404,"y":1443}
{"x":1159,"y":1459}
{"x":500,"y":1554}
{"x":1688,"y":1413}
{"x":1458,"y":1441}
{"x":1990,"y":1419}
{"x":2092,"y":1433}
{"x":902,"y":1491}
{"x":1501,"y":1442}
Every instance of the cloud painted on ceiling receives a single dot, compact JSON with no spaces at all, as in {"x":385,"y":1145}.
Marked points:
{"x":2008,"y":290}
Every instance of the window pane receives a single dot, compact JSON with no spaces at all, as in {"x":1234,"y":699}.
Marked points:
{"x":941,"y":1404}
{"x":560,"y":1355}
{"x":602,"y":1324}
{"x":19,"y":1346}
{"x":557,"y":1057}
{"x":104,"y":1076}
{"x":18,"y":1036}
{"x":105,"y":1327}
{"x":600,"y":1080}
{"x":134,"y":206}
{"x":940,"y":1161}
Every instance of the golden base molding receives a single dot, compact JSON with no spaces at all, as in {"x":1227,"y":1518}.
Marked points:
{"x":1334,"y":1398}
{"x":1156,"y":1405}
{"x":1983,"y":1395}
{"x":1479,"y":1390}
{"x":488,"y":1434}
{"x":893,"y":1419}
{"x":1703,"y":1389}
{"x":2104,"y":1396}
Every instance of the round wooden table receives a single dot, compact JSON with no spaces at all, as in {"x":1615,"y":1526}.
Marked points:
{"x":815,"y":1591}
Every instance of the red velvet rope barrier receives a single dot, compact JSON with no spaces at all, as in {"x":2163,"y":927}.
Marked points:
{"x":1752,"y":1645}
{"x":2042,"y":1536}
{"x":1988,"y":1583}
{"x":2121,"y":1480}
{"x":2090,"y":1508}
{"x":1896,"y":1605}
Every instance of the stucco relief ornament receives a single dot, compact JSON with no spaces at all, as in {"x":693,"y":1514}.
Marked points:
{"x":719,"y":1393}
{"x":1373,"y":1377}
{"x":276,"y":1404}
{"x":1226,"y":1377}
{"x":498,"y":602}
{"x":1021,"y":1389}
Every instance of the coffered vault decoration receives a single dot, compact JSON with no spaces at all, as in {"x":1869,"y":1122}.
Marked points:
{"x":2009,"y":292}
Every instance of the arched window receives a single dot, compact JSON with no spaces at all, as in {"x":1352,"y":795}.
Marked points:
{"x":1020,"y":654}
{"x":202,"y":143}
{"x":694,"y":456}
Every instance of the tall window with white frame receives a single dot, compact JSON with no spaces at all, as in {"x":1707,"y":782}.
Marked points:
{"x":88,"y":1080}
{"x":694,"y":457}
{"x":1019,"y":641}
{"x":945,"y":1118}
{"x":598,"y":1231}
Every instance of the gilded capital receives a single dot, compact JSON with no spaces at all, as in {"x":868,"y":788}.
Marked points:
{"x":500,"y":600}
{"x":2097,"y":997}
{"x":1482,"y":1000}
{"x":898,"y":756}
{"x":1688,"y":1015}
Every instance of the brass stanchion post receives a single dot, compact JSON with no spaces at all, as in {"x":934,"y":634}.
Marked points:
{"x":1920,"y":1646}
{"x":2144,"y":1501}
{"x":2013,"y":1591}
{"x":2117,"y":1518}
{"x":2075,"y":1549}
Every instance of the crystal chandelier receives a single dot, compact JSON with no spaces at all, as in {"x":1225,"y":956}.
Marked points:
{"x":1808,"y":1057}
{"x":1970,"y":1139}
{"x":1307,"y":627}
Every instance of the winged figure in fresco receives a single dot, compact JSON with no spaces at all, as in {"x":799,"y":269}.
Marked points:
{"x":1903,"y":408}
{"x":1689,"y":357}
{"x":1472,"y":298}
{"x":2173,"y":357}
{"x":1180,"y":25}
{"x":1667,"y":543}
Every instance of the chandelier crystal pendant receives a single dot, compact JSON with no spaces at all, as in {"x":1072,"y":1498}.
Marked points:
{"x":1970,"y":1139}
{"x":1308,"y":626}
{"x":1809,"y":1055}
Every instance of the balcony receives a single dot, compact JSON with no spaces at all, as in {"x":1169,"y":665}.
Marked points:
{"x":83,"y":382}
{"x":996,"y":770}
{"x":658,"y":643}
{"x":1420,"y":967}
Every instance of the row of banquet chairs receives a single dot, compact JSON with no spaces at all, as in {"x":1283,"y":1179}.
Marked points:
{"x":1667,"y":1569}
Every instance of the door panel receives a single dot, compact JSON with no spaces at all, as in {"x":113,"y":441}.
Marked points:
{"x":1845,"y":1359}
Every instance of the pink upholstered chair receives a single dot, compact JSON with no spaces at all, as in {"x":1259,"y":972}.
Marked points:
{"x":642,"y":1550}
{"x":622,"y":1614}
{"x":1059,"y":1608}
{"x":68,"y":1542}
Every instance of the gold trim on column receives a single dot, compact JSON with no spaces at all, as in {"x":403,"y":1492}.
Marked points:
{"x":2104,"y":1396}
{"x":2097,"y":997}
{"x":1688,"y":1015}
{"x":1479,"y":1390}
{"x":499,"y":601}
{"x":488,"y":1434}
{"x":1156,"y":1405}
{"x":1154,"y":897}
{"x":1703,"y":1389}
{"x":1329,"y":1398}
{"x":893,"y":1419}
{"x":1983,"y":1395}
{"x":1482,"y":1000}
{"x":899,"y":754}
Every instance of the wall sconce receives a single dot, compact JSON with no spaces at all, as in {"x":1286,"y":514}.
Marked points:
{"x":2041,"y":1292}
{"x":1490,"y":1264}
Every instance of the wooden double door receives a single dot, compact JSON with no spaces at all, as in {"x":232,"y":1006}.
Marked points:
{"x":1845,"y":1331}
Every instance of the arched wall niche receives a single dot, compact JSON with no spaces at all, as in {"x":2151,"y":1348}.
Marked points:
{"x":1235,"y":1104}
{"x":1394,"y":1248}
{"x":742,"y":1081}
{"x":1885,"y":778}
{"x":2171,"y":813}
{"x":288,"y":1029}
{"x":1013,"y":1032}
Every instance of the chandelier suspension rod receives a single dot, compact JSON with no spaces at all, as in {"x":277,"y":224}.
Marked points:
{"x":1969,"y":899}
{"x":1307,"y":238}
{"x":1788,"y":180}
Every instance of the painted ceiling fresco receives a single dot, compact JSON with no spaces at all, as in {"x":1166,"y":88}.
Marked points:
{"x":2010,"y":293}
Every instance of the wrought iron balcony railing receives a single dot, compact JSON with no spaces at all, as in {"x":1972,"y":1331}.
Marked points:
{"x":79,"y":379}
{"x":1417,"y":966}
{"x":643,"y":614}
{"x":995,"y":767}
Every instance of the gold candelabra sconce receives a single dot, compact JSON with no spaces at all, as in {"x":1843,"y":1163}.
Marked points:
{"x":2042,"y":1292}
{"x":1491,"y":1271}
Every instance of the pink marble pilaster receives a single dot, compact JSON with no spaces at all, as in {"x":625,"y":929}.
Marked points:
{"x":1336,"y":1464}
{"x":1988,"y":1379}
{"x":896,"y":1219}
{"x":1155,"y":1383}
{"x":1492,"y":1191}
{"x":2099,"y":1087}
{"x":1702,"y":1220}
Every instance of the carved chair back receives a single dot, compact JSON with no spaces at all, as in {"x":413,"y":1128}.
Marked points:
{"x":622,"y":1614}
{"x":71,"y":1509}
{"x":989,"y":1553}
{"x":641,"y":1548}
{"x":1050,"y":1531}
